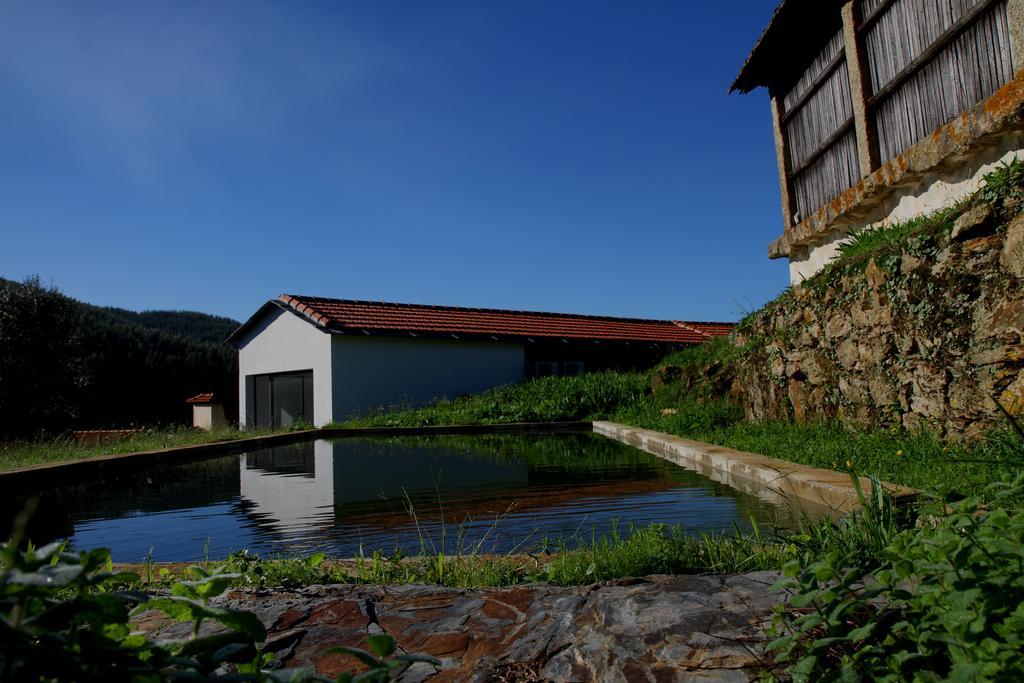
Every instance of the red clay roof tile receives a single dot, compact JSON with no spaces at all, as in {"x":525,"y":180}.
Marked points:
{"x":369,"y":317}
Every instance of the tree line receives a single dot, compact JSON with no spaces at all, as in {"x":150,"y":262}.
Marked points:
{"x":67,"y":365}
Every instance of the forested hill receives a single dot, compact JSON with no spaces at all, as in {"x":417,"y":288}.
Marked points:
{"x":203,"y":327}
{"x":68,"y":364}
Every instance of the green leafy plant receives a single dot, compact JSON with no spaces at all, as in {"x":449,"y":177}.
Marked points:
{"x":67,"y":617}
{"x":936,"y":603}
{"x":288,"y":572}
{"x":1004,"y":183}
{"x":381,"y":661}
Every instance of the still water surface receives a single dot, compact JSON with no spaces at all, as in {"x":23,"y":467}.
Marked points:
{"x":497,"y":493}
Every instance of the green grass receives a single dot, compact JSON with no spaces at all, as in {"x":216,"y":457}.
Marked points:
{"x":547,"y":399}
{"x":24,"y":453}
{"x":661,"y":550}
{"x":896,"y":236}
{"x":654,"y":549}
{"x":920,"y":460}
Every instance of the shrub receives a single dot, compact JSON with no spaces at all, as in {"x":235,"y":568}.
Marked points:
{"x":941,"y":602}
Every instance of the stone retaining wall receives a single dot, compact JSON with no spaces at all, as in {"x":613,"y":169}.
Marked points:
{"x":928,"y":336}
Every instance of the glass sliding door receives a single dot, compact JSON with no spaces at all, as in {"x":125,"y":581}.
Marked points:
{"x":282,"y":399}
{"x":286,"y":400}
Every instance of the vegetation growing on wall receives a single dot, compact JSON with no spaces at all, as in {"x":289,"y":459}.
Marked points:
{"x":916,"y":324}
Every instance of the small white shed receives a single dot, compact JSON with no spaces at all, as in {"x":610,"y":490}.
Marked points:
{"x":207,"y":412}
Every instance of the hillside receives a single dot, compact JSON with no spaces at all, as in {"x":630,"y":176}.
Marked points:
{"x":203,"y":327}
{"x":117,"y":367}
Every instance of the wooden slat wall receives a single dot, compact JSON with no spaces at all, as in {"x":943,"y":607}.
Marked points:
{"x":832,"y":173}
{"x":820,"y":173}
{"x":904,"y":31}
{"x":927,"y":61}
{"x":822,"y":115}
{"x":867,"y":7}
{"x":962,"y":74}
{"x":820,"y":63}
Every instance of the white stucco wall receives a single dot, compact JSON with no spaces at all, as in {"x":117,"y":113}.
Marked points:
{"x":370,"y":372}
{"x":933,"y":192}
{"x":284,"y":342}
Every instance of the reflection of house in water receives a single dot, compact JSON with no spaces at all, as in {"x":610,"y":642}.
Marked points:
{"x":355,"y":493}
{"x":312,"y":484}
{"x":289,"y":485}
{"x":370,"y":483}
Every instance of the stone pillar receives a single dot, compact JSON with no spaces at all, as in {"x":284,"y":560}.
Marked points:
{"x":1015,"y":20}
{"x":781,"y":155}
{"x":860,"y":91}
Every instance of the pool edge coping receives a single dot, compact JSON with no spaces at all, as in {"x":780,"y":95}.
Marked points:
{"x":823,"y":490}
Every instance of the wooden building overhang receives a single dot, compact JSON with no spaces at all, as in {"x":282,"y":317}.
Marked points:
{"x":794,"y":35}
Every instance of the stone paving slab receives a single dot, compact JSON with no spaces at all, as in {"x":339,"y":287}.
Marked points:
{"x":658,"y":628}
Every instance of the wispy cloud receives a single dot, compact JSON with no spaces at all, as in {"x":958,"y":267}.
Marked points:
{"x":145,"y":76}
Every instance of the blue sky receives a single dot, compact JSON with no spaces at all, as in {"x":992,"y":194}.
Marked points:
{"x":542,"y":155}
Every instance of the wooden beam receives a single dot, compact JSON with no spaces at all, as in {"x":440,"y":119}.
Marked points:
{"x":782,"y":158}
{"x":867,"y":22}
{"x":868,"y":157}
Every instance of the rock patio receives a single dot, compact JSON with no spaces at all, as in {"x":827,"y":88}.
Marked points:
{"x":658,"y":628}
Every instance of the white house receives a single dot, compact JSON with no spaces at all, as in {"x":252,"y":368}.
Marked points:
{"x":319,"y":360}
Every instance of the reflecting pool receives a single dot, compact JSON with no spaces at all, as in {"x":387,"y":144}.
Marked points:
{"x":490,"y":493}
